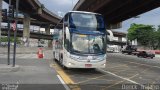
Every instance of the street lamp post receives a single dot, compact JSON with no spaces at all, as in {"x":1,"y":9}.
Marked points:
{"x":0,"y":19}
{"x":9,"y":36}
{"x":15,"y":33}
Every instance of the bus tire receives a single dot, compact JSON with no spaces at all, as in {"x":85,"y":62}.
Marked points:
{"x":54,"y":56}
{"x":61,"y":60}
{"x":61,"y":63}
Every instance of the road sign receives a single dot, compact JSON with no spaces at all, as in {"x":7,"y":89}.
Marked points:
{"x":14,"y":26}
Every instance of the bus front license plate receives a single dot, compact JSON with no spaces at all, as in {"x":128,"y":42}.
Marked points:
{"x":88,"y":65}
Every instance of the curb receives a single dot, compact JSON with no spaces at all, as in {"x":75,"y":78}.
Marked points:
{"x":19,"y":52}
{"x":8,"y":68}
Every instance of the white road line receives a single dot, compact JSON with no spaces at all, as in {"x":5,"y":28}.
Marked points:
{"x":66,"y":87}
{"x":143,"y":64}
{"x":121,"y":77}
{"x":28,"y":56}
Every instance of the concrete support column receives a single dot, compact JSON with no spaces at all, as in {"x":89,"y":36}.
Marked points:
{"x":26,"y":30}
{"x":0,"y":18}
{"x":119,"y":39}
{"x":47,"y":30}
{"x":120,"y":47}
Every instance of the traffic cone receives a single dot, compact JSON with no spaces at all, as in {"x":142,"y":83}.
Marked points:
{"x":40,"y":53}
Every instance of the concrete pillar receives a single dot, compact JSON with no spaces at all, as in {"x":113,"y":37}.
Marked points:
{"x":119,"y":39}
{"x":26,"y":30}
{"x":0,"y":18}
{"x":119,"y":46}
{"x":47,"y":30}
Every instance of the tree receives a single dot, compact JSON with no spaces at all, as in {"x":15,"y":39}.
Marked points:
{"x":158,"y":36}
{"x":145,"y":34}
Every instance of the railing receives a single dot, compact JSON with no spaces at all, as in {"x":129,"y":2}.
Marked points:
{"x":31,"y":30}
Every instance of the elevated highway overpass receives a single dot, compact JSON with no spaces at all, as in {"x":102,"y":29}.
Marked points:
{"x":33,"y":9}
{"x":37,"y":15}
{"x":35,"y":35}
{"x":32,"y":22}
{"x":116,"y":11}
{"x":36,"y":10}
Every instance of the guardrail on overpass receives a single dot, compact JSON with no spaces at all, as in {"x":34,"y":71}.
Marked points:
{"x":35,"y":35}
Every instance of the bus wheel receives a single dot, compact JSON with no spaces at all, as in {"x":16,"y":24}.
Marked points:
{"x":61,"y":63}
{"x":54,"y":56}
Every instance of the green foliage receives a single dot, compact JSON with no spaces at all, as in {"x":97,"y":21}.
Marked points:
{"x":158,"y":36}
{"x":146,"y":35}
{"x":5,"y":39}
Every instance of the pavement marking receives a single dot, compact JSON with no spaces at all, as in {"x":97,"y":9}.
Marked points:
{"x":121,"y":70}
{"x":71,"y":84}
{"x":126,"y":79}
{"x":119,"y":82}
{"x":118,"y":66}
{"x":91,"y":79}
{"x":66,"y":87}
{"x":143,"y":64}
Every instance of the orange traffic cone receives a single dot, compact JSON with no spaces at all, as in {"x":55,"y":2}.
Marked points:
{"x":40,"y":53}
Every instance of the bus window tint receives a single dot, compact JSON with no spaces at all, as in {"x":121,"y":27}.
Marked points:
{"x":79,"y":20}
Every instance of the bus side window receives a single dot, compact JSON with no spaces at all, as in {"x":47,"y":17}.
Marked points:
{"x":65,"y":42}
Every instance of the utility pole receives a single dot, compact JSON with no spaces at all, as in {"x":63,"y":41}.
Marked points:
{"x":0,"y":19}
{"x":15,"y":33}
{"x":9,"y":35}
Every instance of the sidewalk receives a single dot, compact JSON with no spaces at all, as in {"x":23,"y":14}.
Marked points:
{"x":33,"y":74}
{"x":21,"y":50}
{"x":157,"y":55}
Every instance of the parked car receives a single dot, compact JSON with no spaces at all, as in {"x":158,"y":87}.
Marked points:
{"x":129,"y":49}
{"x":145,"y":54}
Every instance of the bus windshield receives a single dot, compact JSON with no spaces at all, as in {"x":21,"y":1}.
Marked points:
{"x":85,"y":20}
{"x":87,"y":44}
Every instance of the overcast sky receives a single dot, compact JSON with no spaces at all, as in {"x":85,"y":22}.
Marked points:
{"x":60,"y":7}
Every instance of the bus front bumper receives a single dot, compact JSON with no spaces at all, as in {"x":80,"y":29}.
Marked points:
{"x":77,"y":64}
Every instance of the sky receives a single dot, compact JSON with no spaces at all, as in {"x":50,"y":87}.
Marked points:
{"x":60,"y":7}
{"x":149,"y":18}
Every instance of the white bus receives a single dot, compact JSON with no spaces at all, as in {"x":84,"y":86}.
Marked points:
{"x":79,"y":40}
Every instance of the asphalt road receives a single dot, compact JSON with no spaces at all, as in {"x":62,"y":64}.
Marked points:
{"x":123,"y":72}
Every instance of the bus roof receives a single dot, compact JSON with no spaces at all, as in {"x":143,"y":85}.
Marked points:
{"x":83,"y":12}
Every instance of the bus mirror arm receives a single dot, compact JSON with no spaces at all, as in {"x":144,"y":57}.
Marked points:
{"x":65,"y":24}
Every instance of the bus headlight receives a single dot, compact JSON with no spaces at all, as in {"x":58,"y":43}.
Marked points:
{"x":70,"y":64}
